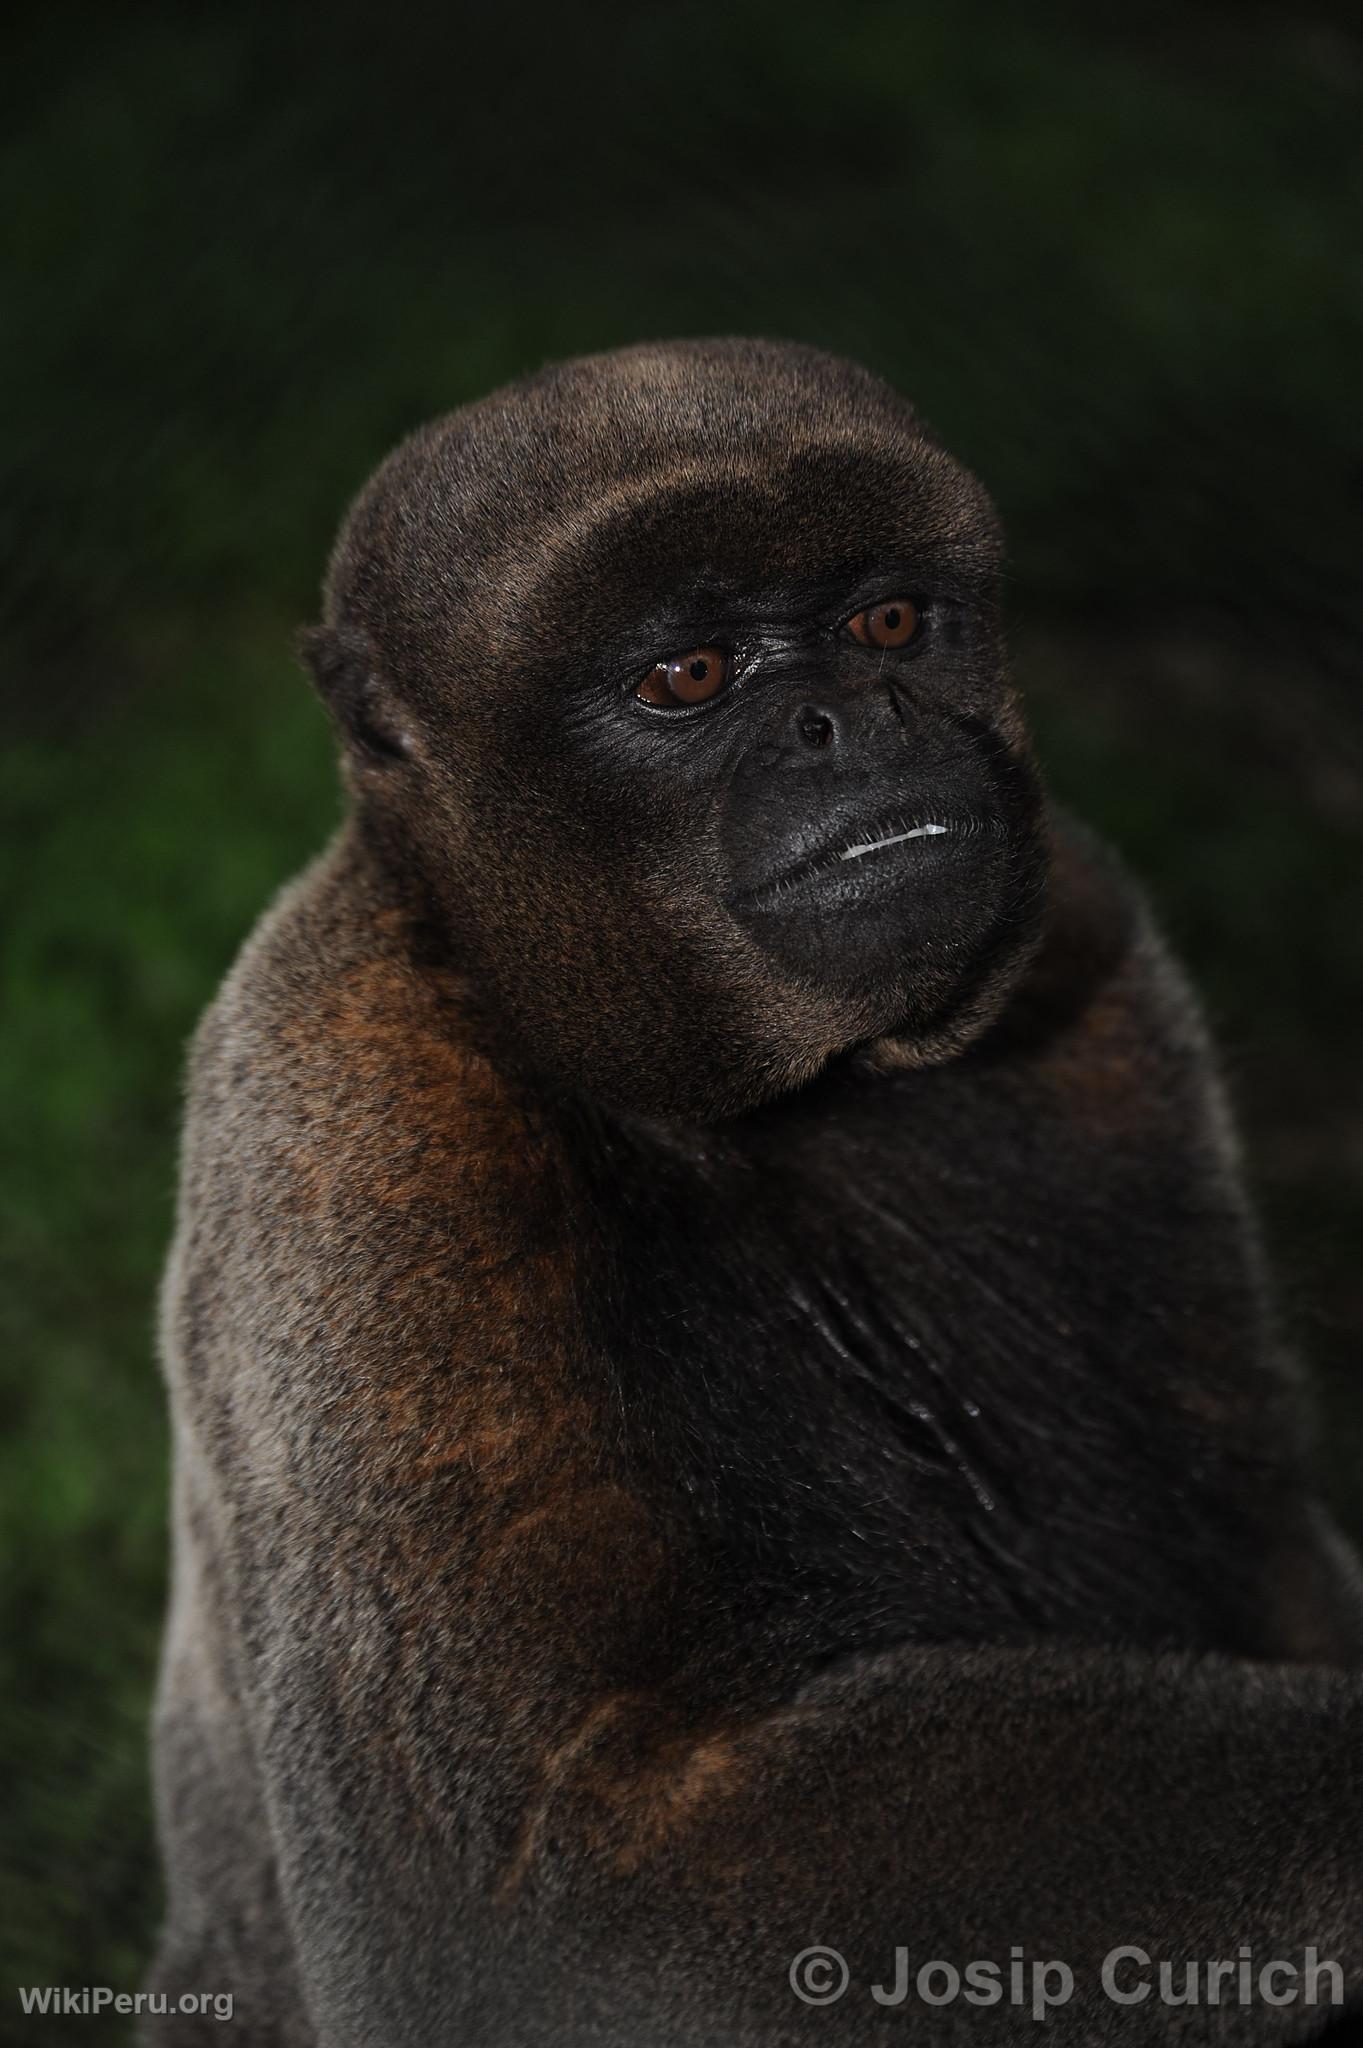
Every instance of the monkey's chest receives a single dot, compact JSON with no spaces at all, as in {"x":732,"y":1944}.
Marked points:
{"x":907,"y":1384}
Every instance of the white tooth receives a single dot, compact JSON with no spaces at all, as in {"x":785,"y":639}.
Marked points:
{"x":874,"y":845}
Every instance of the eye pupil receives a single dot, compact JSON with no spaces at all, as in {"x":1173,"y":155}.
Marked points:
{"x":892,"y":616}
{"x":700,"y":670}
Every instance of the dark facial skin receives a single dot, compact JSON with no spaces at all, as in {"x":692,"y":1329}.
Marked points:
{"x":879,"y":830}
{"x":831,"y":841}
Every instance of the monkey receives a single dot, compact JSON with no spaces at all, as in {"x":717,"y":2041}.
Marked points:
{"x":727,"y":1401}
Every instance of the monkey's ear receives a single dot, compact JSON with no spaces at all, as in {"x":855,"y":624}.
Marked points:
{"x":366,"y":712}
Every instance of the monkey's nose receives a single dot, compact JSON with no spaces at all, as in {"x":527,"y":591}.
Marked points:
{"x":818,"y":725}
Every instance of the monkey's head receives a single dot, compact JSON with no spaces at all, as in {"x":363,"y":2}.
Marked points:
{"x":673,"y":680}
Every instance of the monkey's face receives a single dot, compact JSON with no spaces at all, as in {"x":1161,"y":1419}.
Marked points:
{"x":711,"y":762}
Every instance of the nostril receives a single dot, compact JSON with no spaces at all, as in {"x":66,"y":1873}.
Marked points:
{"x":816,"y":728}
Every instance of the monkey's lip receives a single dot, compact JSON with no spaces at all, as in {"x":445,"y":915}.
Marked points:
{"x":844,"y":865}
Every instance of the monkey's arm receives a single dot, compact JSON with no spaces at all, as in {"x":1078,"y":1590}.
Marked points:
{"x":958,"y":1804}
{"x":661,"y":1880}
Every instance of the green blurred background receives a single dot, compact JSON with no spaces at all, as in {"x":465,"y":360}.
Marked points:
{"x":1119,"y":263}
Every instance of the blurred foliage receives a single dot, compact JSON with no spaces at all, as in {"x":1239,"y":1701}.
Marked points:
{"x":1116,"y":261}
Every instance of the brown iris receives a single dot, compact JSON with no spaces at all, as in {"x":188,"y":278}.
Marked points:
{"x":892,"y":624}
{"x":692,"y":678}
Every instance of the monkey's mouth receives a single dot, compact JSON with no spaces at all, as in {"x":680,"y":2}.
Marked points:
{"x":858,"y":864}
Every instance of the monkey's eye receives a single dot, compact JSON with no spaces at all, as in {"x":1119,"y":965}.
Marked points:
{"x":892,"y":624}
{"x":692,"y":678}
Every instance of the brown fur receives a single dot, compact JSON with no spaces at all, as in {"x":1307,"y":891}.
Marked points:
{"x":687,"y":1444}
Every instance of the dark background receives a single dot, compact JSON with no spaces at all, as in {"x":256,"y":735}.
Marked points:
{"x":1119,"y":265}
